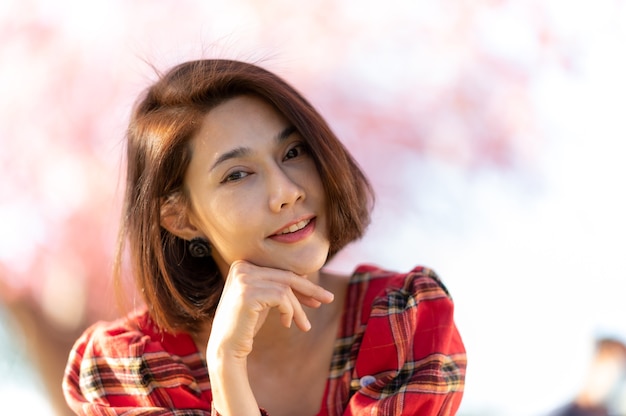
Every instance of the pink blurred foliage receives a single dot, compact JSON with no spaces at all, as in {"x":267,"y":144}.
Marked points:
{"x":430,"y":81}
{"x":60,"y":141}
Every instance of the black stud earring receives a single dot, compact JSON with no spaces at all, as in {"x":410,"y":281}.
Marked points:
{"x":199,"y":247}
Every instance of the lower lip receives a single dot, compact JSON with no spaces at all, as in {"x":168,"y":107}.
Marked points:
{"x":297,"y":235}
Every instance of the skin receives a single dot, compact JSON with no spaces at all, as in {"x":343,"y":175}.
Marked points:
{"x":250,"y":179}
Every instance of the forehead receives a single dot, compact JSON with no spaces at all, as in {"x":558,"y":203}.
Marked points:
{"x":238,"y":127}
{"x":239,"y":117}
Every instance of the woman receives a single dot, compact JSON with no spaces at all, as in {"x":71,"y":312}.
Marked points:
{"x":237,"y":195}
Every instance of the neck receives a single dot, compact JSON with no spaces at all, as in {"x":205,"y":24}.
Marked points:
{"x":273,"y":336}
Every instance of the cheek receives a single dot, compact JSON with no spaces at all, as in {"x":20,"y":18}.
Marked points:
{"x":318,"y":191}
{"x":226,"y":221}
{"x":316,"y":183}
{"x":228,"y":224}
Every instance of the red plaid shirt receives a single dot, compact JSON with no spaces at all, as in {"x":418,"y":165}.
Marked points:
{"x":398,"y":353}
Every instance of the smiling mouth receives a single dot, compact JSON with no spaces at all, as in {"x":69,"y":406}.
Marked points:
{"x":294,"y":227}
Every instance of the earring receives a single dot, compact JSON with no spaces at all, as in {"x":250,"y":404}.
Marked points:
{"x":199,"y":247}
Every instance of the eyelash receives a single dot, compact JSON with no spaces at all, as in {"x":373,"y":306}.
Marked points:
{"x":302,"y":147}
{"x":240,"y":174}
{"x":231,"y":176}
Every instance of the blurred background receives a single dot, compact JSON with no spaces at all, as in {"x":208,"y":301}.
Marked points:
{"x":493,"y":131}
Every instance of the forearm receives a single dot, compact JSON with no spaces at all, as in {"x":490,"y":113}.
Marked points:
{"x":230,"y":387}
{"x":249,"y":294}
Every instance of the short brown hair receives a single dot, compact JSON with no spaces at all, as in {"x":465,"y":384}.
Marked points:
{"x":182,"y":291}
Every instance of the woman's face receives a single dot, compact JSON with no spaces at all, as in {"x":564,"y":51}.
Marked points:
{"x":254,"y":190}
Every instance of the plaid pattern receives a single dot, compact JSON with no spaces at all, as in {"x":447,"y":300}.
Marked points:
{"x":399,"y":334}
{"x":398,"y":353}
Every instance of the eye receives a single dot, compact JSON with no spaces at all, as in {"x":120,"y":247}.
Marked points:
{"x":298,"y":149}
{"x":235,"y":176}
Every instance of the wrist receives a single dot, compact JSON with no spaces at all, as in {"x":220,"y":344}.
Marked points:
{"x":225,"y":364}
{"x":222,"y":353}
{"x":230,"y":386}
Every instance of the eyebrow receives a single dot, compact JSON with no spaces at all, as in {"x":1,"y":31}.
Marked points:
{"x":244,"y":151}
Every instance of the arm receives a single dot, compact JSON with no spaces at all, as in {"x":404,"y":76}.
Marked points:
{"x":249,"y":294}
{"x":230,"y":386}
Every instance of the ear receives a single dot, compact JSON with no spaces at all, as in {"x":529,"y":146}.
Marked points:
{"x":175,"y":218}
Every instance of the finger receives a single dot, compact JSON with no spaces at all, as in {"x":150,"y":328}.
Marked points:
{"x":307,"y":289}
{"x":299,"y":315}
{"x":291,"y":292}
{"x":308,"y":301}
{"x":291,"y":310}
{"x":299,"y":284}
{"x":286,"y":315}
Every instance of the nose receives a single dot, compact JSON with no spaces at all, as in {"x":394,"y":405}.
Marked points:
{"x":283,"y":190}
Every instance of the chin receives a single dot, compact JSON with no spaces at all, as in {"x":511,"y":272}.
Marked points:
{"x":307,"y":269}
{"x":306,"y":263}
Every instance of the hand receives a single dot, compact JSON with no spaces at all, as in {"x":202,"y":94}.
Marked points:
{"x":250,"y":292}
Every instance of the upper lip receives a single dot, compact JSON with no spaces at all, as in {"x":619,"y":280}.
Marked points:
{"x":285,"y":227}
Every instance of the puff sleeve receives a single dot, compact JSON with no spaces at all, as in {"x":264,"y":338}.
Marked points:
{"x":118,"y":369}
{"x":407,"y":357}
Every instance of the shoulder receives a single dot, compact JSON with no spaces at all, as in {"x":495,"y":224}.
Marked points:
{"x":372,"y":287}
{"x":398,"y":314}
{"x":376,"y":277}
{"x":408,"y":328}
{"x":124,"y":337}
{"x":104,"y":350}
{"x":405,"y":353}
{"x":134,"y":336}
{"x":130,"y":355}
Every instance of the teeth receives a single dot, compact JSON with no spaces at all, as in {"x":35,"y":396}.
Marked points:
{"x":295,"y":227}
